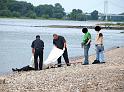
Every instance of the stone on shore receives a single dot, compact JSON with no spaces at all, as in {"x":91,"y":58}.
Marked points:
{"x":2,"y":80}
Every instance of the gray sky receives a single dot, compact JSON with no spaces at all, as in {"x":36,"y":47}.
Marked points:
{"x":114,"y":6}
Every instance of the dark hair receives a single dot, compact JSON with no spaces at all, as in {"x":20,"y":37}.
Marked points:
{"x":97,"y":28}
{"x":100,"y":35}
{"x":37,"y":36}
{"x":84,"y":30}
{"x":55,"y":35}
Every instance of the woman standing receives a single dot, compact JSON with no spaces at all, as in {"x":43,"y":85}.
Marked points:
{"x":99,"y":46}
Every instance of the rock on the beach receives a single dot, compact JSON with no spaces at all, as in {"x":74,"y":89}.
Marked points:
{"x":2,"y":80}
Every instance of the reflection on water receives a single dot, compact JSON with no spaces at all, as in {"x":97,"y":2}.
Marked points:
{"x":15,"y":41}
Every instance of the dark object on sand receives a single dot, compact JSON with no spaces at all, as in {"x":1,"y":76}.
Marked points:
{"x":26,"y":68}
{"x":118,"y":47}
{"x":96,"y":62}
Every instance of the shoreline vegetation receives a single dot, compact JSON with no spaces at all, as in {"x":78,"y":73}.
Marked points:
{"x":40,"y":18}
{"x":110,"y":26}
{"x":106,"y":77}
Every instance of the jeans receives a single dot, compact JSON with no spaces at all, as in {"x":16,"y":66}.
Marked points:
{"x":65,"y":55}
{"x":99,"y":53}
{"x":38,"y":53}
{"x":86,"y":56}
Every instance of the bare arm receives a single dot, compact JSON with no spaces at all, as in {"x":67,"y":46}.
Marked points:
{"x":65,"y":45}
{"x":33,"y":51}
{"x":88,"y":41}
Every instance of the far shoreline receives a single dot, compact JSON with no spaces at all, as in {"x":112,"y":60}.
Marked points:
{"x":110,"y":25}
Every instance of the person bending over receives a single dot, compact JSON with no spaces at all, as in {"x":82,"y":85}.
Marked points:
{"x":60,"y":42}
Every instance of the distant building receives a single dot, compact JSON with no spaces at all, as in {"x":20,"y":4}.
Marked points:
{"x":112,"y":17}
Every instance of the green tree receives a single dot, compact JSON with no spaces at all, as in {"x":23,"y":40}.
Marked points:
{"x":31,"y":14}
{"x":39,"y":10}
{"x":16,"y":14}
{"x":94,"y":15}
{"x":58,"y":11}
{"x":76,"y":14}
{"x":6,"y":13}
{"x":49,"y":10}
{"x":4,"y":8}
{"x":3,"y":4}
{"x":22,"y":7}
{"x":45,"y":16}
{"x":42,"y":10}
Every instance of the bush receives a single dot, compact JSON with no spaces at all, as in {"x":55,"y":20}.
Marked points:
{"x":5,"y":13}
{"x":45,"y":16}
{"x":16,"y":14}
{"x":31,"y":14}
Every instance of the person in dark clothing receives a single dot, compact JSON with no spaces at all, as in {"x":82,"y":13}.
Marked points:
{"x":26,"y":68}
{"x":60,"y":42}
{"x":37,"y":50}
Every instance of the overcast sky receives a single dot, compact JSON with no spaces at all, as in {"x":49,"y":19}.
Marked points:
{"x":114,"y":6}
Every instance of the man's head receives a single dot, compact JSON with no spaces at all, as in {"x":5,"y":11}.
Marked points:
{"x":84,"y":30}
{"x":97,"y":28}
{"x":37,"y":37}
{"x":55,"y":36}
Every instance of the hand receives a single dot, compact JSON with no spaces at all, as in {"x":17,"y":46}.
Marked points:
{"x":87,"y":43}
{"x":56,"y":46}
{"x":33,"y":51}
{"x":63,"y":49}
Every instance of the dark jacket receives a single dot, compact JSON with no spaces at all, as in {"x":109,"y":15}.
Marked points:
{"x":37,"y":44}
{"x":59,"y":42}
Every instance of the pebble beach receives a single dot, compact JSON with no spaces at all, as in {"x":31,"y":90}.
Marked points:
{"x":108,"y":77}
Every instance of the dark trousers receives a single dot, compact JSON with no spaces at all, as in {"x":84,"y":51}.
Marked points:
{"x":65,"y":55}
{"x":38,"y":53}
{"x":26,"y":68}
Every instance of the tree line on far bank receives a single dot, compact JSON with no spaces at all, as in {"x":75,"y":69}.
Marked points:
{"x":21,"y":9}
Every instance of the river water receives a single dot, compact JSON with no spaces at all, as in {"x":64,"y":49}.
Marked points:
{"x":16,"y":36}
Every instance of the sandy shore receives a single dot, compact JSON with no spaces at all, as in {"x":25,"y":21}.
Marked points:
{"x":108,"y":77}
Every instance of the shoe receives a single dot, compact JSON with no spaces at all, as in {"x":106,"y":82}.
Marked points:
{"x":53,"y":67}
{"x":68,"y":64}
{"x":102,"y":62}
{"x":48,"y":67}
{"x":85,"y":64}
{"x":14,"y":70}
{"x":59,"y":66}
{"x":96,"y":62}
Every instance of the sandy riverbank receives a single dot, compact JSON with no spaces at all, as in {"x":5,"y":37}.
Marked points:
{"x":108,"y":77}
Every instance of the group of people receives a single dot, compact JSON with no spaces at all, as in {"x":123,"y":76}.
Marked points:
{"x":86,"y":43}
{"x":60,"y":43}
